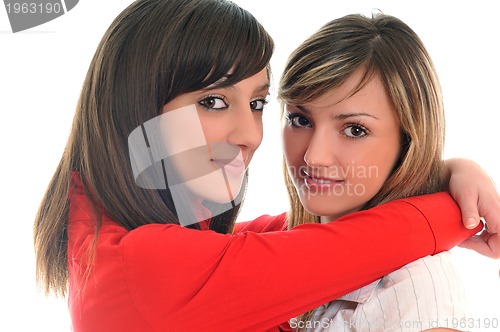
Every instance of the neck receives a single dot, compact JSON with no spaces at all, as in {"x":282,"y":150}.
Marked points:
{"x":327,"y":219}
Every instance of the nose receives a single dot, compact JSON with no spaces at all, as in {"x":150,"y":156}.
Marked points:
{"x":320,"y":152}
{"x":246,"y":131}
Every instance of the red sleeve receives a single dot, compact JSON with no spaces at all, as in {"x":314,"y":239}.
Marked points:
{"x":262,"y":224}
{"x":190,"y":280}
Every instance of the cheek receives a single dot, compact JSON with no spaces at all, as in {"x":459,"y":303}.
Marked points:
{"x":260,"y":126}
{"x":295,"y":145}
{"x":389,"y":154}
{"x":214,"y":128}
{"x":377,"y":163}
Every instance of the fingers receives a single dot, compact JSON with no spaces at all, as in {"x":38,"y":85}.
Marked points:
{"x":468,"y":202}
{"x":486,"y":244}
{"x":493,"y":242}
{"x":476,"y":244}
{"x":489,"y":209}
{"x":478,"y":198}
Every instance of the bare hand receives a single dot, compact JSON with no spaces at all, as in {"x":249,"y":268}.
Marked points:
{"x":477,"y":196}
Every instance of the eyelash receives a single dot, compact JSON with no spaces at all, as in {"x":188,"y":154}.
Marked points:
{"x":264,"y":102}
{"x":290,"y":117}
{"x":355,"y":125}
{"x":203,"y":101}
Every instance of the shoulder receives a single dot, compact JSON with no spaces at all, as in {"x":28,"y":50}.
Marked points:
{"x":263,"y":224}
{"x":424,"y":294}
{"x":428,"y":292}
{"x":431,"y":278}
{"x":426,"y":270}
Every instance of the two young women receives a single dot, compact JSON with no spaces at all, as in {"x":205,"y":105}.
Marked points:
{"x":114,"y":235}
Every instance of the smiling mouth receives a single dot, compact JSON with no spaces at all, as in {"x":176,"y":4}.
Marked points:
{"x":235,"y":166}
{"x":320,"y":182}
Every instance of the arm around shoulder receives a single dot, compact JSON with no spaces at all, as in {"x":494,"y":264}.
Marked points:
{"x":265,"y":278}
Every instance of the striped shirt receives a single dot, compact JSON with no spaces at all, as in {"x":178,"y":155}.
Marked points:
{"x":424,"y":294}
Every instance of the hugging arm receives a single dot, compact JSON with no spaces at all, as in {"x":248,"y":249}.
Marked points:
{"x":273,"y":276}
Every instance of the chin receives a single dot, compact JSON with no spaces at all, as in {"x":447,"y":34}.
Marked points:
{"x":223,"y":192}
{"x":214,"y":187}
{"x":222,"y":197}
{"x":328,"y":208}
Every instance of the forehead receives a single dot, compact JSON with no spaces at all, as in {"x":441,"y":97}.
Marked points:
{"x":357,"y":91}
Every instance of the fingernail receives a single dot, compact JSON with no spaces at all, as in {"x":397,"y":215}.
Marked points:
{"x":471,"y":223}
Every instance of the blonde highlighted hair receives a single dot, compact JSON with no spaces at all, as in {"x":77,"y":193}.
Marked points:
{"x":385,"y":46}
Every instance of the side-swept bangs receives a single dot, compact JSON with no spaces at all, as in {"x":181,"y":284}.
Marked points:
{"x":238,"y":48}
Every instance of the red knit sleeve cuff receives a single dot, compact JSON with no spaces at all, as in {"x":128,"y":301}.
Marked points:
{"x":444,"y":218}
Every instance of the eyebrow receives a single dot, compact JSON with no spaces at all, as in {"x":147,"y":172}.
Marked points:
{"x":263,"y":87}
{"x":341,"y":116}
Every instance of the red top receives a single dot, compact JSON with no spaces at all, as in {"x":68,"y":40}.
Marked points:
{"x":170,"y":278}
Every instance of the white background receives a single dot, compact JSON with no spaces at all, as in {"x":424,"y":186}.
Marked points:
{"x":42,"y":70}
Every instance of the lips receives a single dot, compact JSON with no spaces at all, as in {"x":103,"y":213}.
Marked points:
{"x":316,"y":181}
{"x":227,"y":157}
{"x":234,"y":166}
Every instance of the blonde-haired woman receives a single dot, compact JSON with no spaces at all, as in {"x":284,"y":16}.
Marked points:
{"x":364,"y":125}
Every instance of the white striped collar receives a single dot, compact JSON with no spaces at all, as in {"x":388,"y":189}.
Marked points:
{"x":362,"y":295}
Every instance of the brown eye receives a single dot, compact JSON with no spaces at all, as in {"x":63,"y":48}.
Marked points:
{"x":258,"y":105}
{"x":354,"y":131}
{"x":213,"y":103}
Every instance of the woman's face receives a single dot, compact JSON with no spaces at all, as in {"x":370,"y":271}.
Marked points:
{"x":339,"y":151}
{"x":212,"y":135}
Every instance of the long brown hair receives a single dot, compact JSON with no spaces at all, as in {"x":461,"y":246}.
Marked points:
{"x":388,"y":47}
{"x":153,"y":51}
